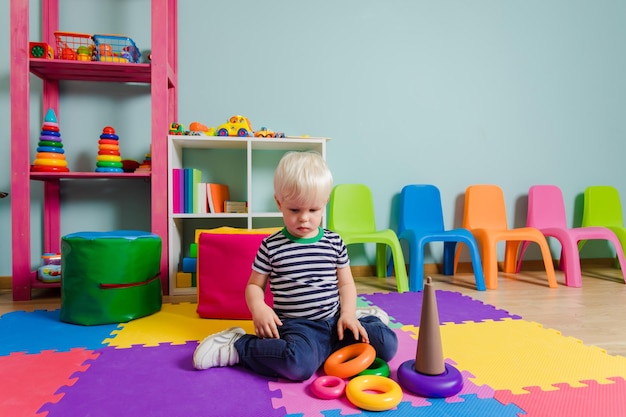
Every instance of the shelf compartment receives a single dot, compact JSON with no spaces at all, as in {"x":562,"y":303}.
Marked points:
{"x":58,"y":69}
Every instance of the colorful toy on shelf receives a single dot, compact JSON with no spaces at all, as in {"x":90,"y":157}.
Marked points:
{"x":265,"y":133}
{"x":109,"y":159}
{"x":236,"y":126}
{"x":116,"y":48}
{"x":40,"y":50}
{"x":146,"y":164}
{"x":197,"y":129}
{"x":74,"y":46}
{"x":50,"y":154}
{"x":176,"y":129}
{"x":428,"y":375}
{"x":50,"y":271}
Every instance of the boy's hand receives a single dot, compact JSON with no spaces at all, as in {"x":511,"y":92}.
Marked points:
{"x":266,"y":322}
{"x":350,"y":322}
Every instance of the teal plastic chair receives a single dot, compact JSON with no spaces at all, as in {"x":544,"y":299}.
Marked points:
{"x":602,"y":207}
{"x":420,"y":221}
{"x":351,"y":215}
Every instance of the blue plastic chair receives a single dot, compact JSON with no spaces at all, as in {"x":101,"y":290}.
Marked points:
{"x":421,"y":222}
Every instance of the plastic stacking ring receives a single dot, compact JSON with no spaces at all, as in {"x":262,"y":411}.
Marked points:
{"x":350,"y":360}
{"x":444,"y":385}
{"x":110,"y":170}
{"x":109,"y":136}
{"x":50,"y":133}
{"x":328,"y":387}
{"x":108,"y":152}
{"x":378,"y":367}
{"x":374,"y":392}
{"x":53,"y":143}
{"x":108,"y":142}
{"x":110,"y":147}
{"x":45,"y":168}
{"x":50,"y":138}
{"x":109,"y":164}
{"x":50,"y":155}
{"x":112,"y":158}
{"x":54,"y":127}
{"x":51,"y":162}
{"x":49,"y":123}
{"x":52,"y":149}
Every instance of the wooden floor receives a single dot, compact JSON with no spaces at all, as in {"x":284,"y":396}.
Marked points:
{"x":595,"y":313}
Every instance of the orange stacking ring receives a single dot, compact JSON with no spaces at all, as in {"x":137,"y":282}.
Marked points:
{"x":350,"y":360}
{"x":51,"y":162}
{"x":50,"y":155}
{"x":109,"y":147}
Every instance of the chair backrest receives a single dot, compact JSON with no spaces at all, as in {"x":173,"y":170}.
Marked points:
{"x":602,"y":207}
{"x":351,"y":209}
{"x":484,"y":208}
{"x":546,"y":207}
{"x":420,"y":208}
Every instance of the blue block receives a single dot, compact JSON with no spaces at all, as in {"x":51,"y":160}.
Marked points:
{"x":190,"y":264}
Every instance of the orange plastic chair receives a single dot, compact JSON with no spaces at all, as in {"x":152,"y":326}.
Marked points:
{"x":602,"y":207}
{"x":485,"y":216}
{"x":351,"y":215}
{"x":546,"y":212}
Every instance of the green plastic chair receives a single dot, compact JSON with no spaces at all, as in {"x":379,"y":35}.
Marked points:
{"x":351,"y":215}
{"x":602,"y":207}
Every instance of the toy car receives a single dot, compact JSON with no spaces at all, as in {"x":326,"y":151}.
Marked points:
{"x":265,"y":133}
{"x":236,"y":126}
{"x":176,"y":129}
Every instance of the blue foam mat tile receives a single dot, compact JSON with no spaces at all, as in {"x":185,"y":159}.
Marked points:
{"x":472,"y":406}
{"x":39,"y":330}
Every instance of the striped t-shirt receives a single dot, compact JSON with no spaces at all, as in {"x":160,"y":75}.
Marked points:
{"x":303,"y":273}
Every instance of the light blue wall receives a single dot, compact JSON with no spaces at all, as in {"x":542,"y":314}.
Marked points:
{"x":445,"y":92}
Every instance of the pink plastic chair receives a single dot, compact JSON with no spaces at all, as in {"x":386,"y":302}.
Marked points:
{"x":546,"y":212}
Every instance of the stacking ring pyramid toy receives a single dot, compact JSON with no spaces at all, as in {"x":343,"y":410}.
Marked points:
{"x":428,"y":375}
{"x":109,"y":158}
{"x":50,"y":154}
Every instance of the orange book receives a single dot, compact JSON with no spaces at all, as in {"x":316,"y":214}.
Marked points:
{"x":217,"y":194}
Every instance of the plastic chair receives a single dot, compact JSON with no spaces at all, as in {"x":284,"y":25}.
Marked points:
{"x":602,"y":207}
{"x":351,"y":214}
{"x":546,"y":212}
{"x":420,"y":221}
{"x":485,"y":217}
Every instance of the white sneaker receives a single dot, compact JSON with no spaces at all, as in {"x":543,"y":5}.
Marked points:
{"x":373,"y":311}
{"x":218,"y":349}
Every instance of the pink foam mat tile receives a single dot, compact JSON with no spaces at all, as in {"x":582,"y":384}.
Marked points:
{"x":592,"y":400}
{"x":27,"y":381}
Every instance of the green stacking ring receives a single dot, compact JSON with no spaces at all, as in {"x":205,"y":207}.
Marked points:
{"x":378,"y":367}
{"x":50,"y":143}
{"x":109,"y":164}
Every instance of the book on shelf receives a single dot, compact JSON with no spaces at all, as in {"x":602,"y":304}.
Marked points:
{"x":177,"y":187}
{"x":231,"y":206}
{"x":202,"y":206}
{"x":196,"y":178}
{"x":217,"y":194}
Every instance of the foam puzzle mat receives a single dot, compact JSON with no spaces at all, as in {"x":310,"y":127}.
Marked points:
{"x":510,"y":367}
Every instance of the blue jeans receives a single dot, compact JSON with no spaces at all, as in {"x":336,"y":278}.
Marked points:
{"x":304,"y":345}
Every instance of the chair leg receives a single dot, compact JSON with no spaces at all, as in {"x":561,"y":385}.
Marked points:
{"x":381,"y":260}
{"x":448,"y":257}
{"x":457,"y":256}
{"x":511,"y":251}
{"x":477,"y":266}
{"x":490,"y":265}
{"x":570,"y":263}
{"x":547,"y":261}
{"x":402,"y":281}
{"x":416,"y":268}
{"x":521,"y":255}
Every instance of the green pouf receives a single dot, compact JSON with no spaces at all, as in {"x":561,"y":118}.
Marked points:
{"x":110,"y":277}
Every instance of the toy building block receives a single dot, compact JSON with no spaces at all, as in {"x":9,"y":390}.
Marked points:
{"x":40,"y":50}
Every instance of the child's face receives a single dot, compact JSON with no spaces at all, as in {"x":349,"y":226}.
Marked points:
{"x":302,"y":219}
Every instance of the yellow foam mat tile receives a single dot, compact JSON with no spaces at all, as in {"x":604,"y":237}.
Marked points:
{"x":175,"y":324}
{"x":513,"y":354}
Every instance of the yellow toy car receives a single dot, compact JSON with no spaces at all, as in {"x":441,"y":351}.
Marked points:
{"x":236,"y":126}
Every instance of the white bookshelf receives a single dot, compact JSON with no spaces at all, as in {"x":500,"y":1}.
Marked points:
{"x":255,"y":155}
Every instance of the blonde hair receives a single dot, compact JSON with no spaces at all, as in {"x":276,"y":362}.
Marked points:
{"x":303,"y":177}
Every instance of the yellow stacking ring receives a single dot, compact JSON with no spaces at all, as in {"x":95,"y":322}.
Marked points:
{"x":112,"y":158}
{"x":51,"y":162}
{"x":374,"y":392}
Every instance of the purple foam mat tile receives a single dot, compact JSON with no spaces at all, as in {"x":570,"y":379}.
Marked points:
{"x":453,"y":307}
{"x":160,"y":381}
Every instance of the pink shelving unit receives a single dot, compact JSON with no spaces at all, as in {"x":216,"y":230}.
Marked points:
{"x":161,"y":74}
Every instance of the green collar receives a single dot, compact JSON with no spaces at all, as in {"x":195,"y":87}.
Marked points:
{"x":317,"y":238}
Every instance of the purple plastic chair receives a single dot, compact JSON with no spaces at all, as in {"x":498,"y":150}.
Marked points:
{"x":546,"y":212}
